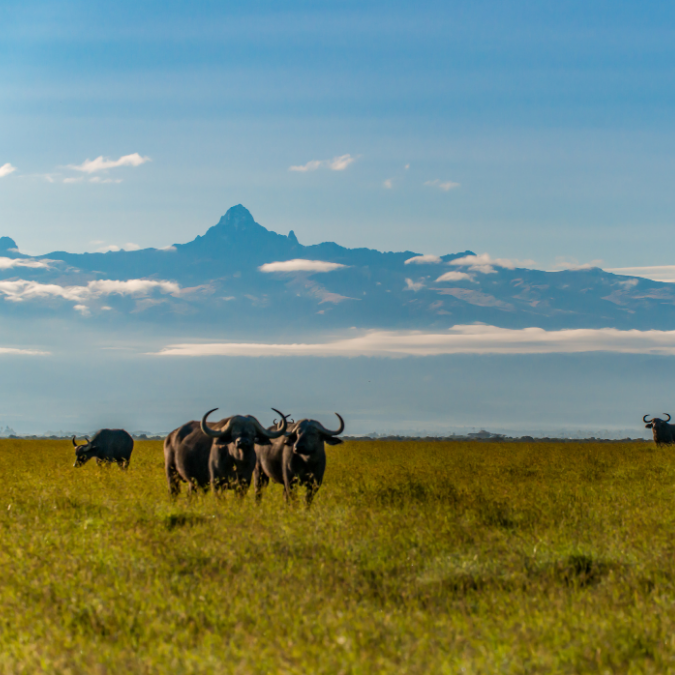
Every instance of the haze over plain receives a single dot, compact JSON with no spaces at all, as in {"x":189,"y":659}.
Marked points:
{"x":537,"y":136}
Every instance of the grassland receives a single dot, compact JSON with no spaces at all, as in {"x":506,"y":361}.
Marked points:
{"x":416,"y":558}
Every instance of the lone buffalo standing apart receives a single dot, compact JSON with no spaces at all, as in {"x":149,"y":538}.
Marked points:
{"x":222,"y":456}
{"x":664,"y":433}
{"x":107,"y":446}
{"x":299,"y":457}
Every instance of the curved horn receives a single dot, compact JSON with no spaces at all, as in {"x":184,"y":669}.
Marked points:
{"x":75,"y":445}
{"x":212,"y":432}
{"x":645,"y":420}
{"x":272,"y":434}
{"x":668,"y":420}
{"x":332,"y":433}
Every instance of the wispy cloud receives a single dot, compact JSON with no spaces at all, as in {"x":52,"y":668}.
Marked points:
{"x":446,"y":186}
{"x":6,"y":169}
{"x":336,"y":164}
{"x":664,"y":273}
{"x":411,"y":285}
{"x":486,"y":265}
{"x":475,"y":339}
{"x":21,"y":289}
{"x":22,"y":352}
{"x":299,"y":265}
{"x":10,"y":263}
{"x":102,"y":247}
{"x":104,"y":163}
{"x":455,"y":276}
{"x":562,"y":264}
{"x":424,"y":260}
{"x":388,"y":184}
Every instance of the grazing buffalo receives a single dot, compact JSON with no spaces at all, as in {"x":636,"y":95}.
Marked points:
{"x":664,"y":433}
{"x":222,"y":456}
{"x":107,"y":446}
{"x":297,"y":457}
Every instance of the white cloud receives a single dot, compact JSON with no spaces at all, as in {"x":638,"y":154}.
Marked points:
{"x":73,"y":180}
{"x":21,"y":289}
{"x":105,"y":248}
{"x":388,"y":184}
{"x":411,"y":285}
{"x":423,"y":260}
{"x":474,"y":339}
{"x":575,"y":265}
{"x":455,"y":276}
{"x":103,"y":163}
{"x":407,"y":166}
{"x":167,"y":248}
{"x":336,"y":164}
{"x":22,"y":352}
{"x":486,"y":265}
{"x":6,"y":169}
{"x":664,"y":273}
{"x":442,"y":185}
{"x":10,"y":263}
{"x":98,"y":179}
{"x":299,"y":265}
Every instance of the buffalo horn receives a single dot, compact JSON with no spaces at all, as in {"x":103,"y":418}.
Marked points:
{"x":644,"y":419}
{"x":272,"y":434}
{"x":668,"y":420}
{"x":212,"y":432}
{"x":332,"y":433}
{"x":74,"y":443}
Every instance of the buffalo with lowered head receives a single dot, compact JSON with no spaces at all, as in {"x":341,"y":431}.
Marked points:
{"x":106,"y":446}
{"x":222,"y":455}
{"x":664,"y":433}
{"x":297,"y":457}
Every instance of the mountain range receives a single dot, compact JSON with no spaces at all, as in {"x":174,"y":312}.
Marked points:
{"x":240,"y":276}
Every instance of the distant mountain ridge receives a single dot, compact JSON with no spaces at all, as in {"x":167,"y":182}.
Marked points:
{"x":216,"y":279}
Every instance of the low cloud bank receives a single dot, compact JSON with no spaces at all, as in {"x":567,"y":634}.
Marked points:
{"x":22,"y":289}
{"x":655,"y":272}
{"x":11,"y":351}
{"x":10,"y":263}
{"x":474,"y":339}
{"x":299,"y":265}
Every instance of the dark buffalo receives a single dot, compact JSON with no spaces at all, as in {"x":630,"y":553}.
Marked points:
{"x":107,"y":446}
{"x":299,"y":457}
{"x":664,"y":433}
{"x":222,"y":456}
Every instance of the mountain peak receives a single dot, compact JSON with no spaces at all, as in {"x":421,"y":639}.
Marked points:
{"x":7,"y":243}
{"x":237,"y":217}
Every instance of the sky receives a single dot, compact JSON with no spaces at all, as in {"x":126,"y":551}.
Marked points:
{"x":529,"y":130}
{"x":524,"y":130}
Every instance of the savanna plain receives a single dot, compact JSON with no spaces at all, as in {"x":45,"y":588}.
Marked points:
{"x":416,"y":557}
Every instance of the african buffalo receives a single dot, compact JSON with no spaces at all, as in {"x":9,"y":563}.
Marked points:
{"x":664,"y":433}
{"x":107,"y":446}
{"x":222,"y":456}
{"x":297,"y":457}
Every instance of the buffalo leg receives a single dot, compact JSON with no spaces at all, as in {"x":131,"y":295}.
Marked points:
{"x":173,"y":480}
{"x":312,"y":485}
{"x":260,"y":481}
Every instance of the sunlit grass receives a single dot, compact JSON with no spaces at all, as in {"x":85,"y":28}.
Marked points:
{"x":416,"y":558}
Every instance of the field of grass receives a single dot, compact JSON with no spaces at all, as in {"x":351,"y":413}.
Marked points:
{"x":416,"y":558}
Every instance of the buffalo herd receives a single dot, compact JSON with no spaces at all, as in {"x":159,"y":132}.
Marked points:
{"x":228,"y":454}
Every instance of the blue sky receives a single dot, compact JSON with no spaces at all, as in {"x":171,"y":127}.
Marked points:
{"x":529,"y":130}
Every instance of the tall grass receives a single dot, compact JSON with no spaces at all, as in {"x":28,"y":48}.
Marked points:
{"x":416,"y":558}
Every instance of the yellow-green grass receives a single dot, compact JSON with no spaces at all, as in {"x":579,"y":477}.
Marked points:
{"x":416,"y":557}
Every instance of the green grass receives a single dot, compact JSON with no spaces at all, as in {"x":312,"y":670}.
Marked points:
{"x":416,"y":558}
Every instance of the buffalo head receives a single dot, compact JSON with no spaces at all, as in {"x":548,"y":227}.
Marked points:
{"x":242,"y":432}
{"x":308,"y":436}
{"x":655,"y":422}
{"x":83,"y":453}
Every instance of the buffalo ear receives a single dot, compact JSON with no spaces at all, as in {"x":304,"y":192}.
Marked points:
{"x":332,"y":440}
{"x":648,"y":426}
